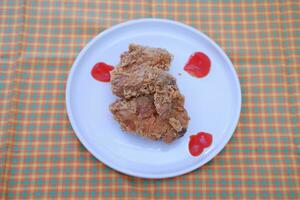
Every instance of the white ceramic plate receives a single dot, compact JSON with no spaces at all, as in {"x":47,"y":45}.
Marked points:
{"x":213,"y":102}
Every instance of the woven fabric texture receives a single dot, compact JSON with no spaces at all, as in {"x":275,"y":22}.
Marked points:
{"x":40,"y":156}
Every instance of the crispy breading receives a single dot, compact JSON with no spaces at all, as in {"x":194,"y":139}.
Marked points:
{"x":151,"y":104}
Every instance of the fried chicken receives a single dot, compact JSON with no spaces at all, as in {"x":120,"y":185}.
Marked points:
{"x":151,"y":104}
{"x":139,"y":115}
{"x":142,"y":81}
{"x":139,"y":70}
{"x":138,"y":56}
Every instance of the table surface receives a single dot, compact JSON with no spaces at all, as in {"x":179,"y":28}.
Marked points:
{"x":40,"y":156}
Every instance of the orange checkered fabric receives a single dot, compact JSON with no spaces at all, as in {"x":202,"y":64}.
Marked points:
{"x":40,"y":157}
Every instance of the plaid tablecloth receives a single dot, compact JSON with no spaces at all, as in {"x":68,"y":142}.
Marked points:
{"x":40,"y":157}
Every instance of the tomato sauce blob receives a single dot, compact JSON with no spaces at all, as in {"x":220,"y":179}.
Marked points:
{"x":198,"y":142}
{"x":101,"y":72}
{"x":198,"y":65}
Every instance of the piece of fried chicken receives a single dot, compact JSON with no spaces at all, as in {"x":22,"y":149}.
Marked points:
{"x":151,"y":104}
{"x":141,"y":68}
{"x":139,"y":115}
{"x":143,"y":81}
{"x":138,"y":55}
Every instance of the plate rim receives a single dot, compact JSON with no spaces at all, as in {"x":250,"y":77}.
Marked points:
{"x":214,"y":152}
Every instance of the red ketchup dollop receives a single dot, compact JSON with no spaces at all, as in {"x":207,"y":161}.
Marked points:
{"x":198,"y":65}
{"x":100,"y":72}
{"x":198,"y":142}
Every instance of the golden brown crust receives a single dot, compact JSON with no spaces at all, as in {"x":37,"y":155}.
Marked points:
{"x":138,"y":55}
{"x":151,"y":104}
{"x":142,"y":81}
